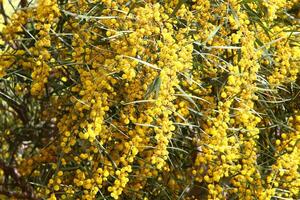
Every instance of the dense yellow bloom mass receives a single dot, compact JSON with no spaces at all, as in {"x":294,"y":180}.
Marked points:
{"x":153,"y":99}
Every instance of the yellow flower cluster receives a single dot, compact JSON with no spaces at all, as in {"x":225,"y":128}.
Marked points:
{"x":283,"y":180}
{"x":46,"y":15}
{"x":156,"y":99}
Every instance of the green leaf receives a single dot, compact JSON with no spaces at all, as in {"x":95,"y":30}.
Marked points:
{"x":153,"y":87}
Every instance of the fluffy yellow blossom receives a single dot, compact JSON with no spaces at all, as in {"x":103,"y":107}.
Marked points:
{"x":150,"y":100}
